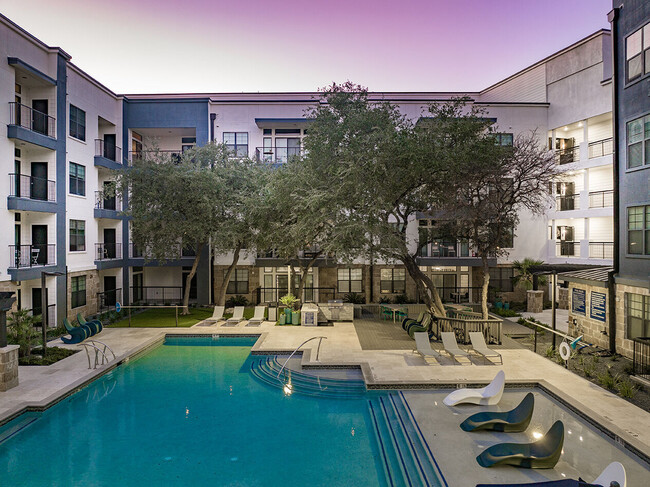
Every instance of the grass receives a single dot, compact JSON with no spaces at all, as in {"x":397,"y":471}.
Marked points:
{"x":164,"y":318}
{"x":53,"y":354}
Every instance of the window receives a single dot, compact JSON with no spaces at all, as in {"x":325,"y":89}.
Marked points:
{"x":238,"y":283}
{"x":508,"y":238}
{"x":638,"y":142}
{"x":349,"y":280}
{"x":78,"y":291}
{"x":77,"y":123}
{"x":77,"y":179}
{"x":393,"y":281}
{"x":77,"y":235}
{"x":637,"y":315}
{"x":501,"y":278}
{"x":503,"y":139}
{"x":638,"y":230}
{"x":637,"y":53}
{"x":237,"y":143}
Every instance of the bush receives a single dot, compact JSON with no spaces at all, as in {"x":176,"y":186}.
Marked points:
{"x":53,"y":355}
{"x":238,"y":300}
{"x":354,"y":298}
{"x":589,"y":368}
{"x":20,"y":326}
{"x":384,"y":300}
{"x":550,"y":352}
{"x":608,"y":381}
{"x":506,"y":313}
{"x":627,"y":389}
{"x":401,"y":299}
{"x":516,"y":306}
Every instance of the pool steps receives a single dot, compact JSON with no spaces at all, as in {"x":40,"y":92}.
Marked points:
{"x":16,"y":426}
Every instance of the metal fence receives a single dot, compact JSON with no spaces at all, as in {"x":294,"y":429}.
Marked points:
{"x":34,"y":188}
{"x":641,"y":357}
{"x":107,"y":300}
{"x":567,"y":156}
{"x":601,"y":148}
{"x":601,"y":199}
{"x":32,"y":255}
{"x":31,"y":119}
{"x":601,"y":250}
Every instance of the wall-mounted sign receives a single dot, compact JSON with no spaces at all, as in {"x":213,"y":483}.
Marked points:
{"x":579,"y":301}
{"x":598,"y":306}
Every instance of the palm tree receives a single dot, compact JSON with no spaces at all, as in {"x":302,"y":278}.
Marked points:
{"x":524,"y":277}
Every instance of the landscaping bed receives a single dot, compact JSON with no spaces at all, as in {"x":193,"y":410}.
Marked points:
{"x":52,"y":355}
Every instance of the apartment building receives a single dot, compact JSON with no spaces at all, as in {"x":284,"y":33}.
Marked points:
{"x":67,"y":134}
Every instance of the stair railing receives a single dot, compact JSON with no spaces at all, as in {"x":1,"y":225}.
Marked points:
{"x":92,"y":345}
{"x":320,"y":340}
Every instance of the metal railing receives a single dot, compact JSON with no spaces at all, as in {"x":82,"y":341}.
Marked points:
{"x":601,"y":250}
{"x":108,"y":251}
{"x":567,"y":202}
{"x":108,"y":151}
{"x":174,"y":155}
{"x":107,"y":300}
{"x":567,"y":156}
{"x":157,"y":294}
{"x":641,"y":357}
{"x":176,"y":252}
{"x":458,"y":249}
{"x":567,"y":249}
{"x":601,"y":199}
{"x":34,"y":188}
{"x":31,"y":119}
{"x":107,"y":203}
{"x":276,"y":155}
{"x":32,"y":255}
{"x":491,"y":328}
{"x":99,"y":348}
{"x":320,"y":340}
{"x":601,"y":148}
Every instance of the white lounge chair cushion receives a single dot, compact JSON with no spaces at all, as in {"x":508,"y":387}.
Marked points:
{"x":237,"y":315}
{"x":258,"y":317}
{"x":615,"y":471}
{"x":479,"y":345}
{"x":217,"y":315}
{"x":487,"y":396}
{"x":424,"y":345}
{"x":450,"y":344}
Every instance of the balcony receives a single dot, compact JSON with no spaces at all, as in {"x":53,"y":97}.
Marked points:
{"x":107,"y":155}
{"x":601,"y":148}
{"x":107,"y":207}
{"x":276,"y":155}
{"x":177,"y":253}
{"x":31,"y":126}
{"x":29,"y":193}
{"x":601,"y":199}
{"x":448,"y":252}
{"x":108,"y":255}
{"x":567,"y":156}
{"x":174,"y":155}
{"x":601,"y":250}
{"x":567,"y":202}
{"x":27,"y":261}
{"x":567,"y":249}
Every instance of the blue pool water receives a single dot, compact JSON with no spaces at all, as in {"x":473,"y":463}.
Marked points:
{"x":203,"y":411}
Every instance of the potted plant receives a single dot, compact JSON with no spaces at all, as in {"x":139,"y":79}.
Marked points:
{"x":288,"y":301}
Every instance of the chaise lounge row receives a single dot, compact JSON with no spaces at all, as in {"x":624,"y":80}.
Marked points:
{"x":86,"y":329}
{"x":451,"y":348}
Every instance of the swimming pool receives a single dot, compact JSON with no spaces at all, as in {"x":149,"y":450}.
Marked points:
{"x":200,"y":411}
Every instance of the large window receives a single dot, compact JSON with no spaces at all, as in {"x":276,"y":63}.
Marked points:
{"x":78,"y":291}
{"x":393,"y":281}
{"x":77,"y":123}
{"x":504,"y":139}
{"x":349,"y":280}
{"x":501,"y":279}
{"x":237,"y":143}
{"x":638,"y":230}
{"x":77,"y":235}
{"x":77,"y":179}
{"x":238,"y":283}
{"x":638,"y":142}
{"x":637,"y":315}
{"x":637,"y":53}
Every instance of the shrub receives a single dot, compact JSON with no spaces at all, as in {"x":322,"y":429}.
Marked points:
{"x":288,"y":300}
{"x":589,"y":368}
{"x":401,"y":299}
{"x":384,"y":300}
{"x":238,"y":300}
{"x":354,"y":298}
{"x":627,"y":389}
{"x":550,"y":352}
{"x":21,"y":330}
{"x":628,"y":369}
{"x":54,"y":354}
{"x":607,"y":380}
{"x":506,"y":313}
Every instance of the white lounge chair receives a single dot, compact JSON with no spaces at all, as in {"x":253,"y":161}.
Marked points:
{"x":487,"y":396}
{"x":424,"y":345}
{"x":614,"y":472}
{"x":258,"y":317}
{"x":451,"y":346}
{"x":217,"y":315}
{"x":237,"y":316}
{"x":480,"y":347}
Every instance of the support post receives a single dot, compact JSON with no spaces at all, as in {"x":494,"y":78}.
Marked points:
{"x":44,"y":311}
{"x":554,"y":285}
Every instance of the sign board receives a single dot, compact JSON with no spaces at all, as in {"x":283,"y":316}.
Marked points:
{"x":579,"y":301}
{"x":597,"y":306}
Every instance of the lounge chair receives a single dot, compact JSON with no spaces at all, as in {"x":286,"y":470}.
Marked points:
{"x":511,"y":421}
{"x":258,"y":317}
{"x":95,"y":325}
{"x":451,"y":346}
{"x":614,"y":472}
{"x":77,"y":333}
{"x":217,"y":314}
{"x":480,"y":347}
{"x":407,"y":321}
{"x":487,"y":396}
{"x":424,"y":325}
{"x":424,"y":345}
{"x":543,"y":453}
{"x":237,"y":316}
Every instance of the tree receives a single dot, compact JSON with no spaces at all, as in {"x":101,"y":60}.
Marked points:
{"x":524,"y":277}
{"x":21,"y":330}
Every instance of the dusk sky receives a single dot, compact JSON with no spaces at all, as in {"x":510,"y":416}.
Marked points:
{"x":167,"y":46}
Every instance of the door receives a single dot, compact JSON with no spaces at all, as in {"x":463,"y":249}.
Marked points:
{"x":38,"y":181}
{"x":39,"y":116}
{"x":38,"y":253}
{"x":37,"y":305}
{"x":17,"y":248}
{"x":110,"y":294}
{"x":109,"y":243}
{"x":109,"y":146}
{"x":282,"y":285}
{"x":567,"y":198}
{"x":137,"y":287}
{"x":109,"y":196}
{"x":16,"y":181}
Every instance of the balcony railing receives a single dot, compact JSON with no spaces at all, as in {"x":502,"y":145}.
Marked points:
{"x":102,"y":202}
{"x":31,"y":119}
{"x":601,"y":250}
{"x":32,"y":255}
{"x":108,"y":251}
{"x":567,"y":156}
{"x":601,"y":148}
{"x":157,"y":295}
{"x":24,"y":186}
{"x":176,"y":252}
{"x":276,"y":155}
{"x":441,"y":249}
{"x":567,"y":202}
{"x":601,"y":199}
{"x":107,"y":300}
{"x":108,"y":151}
{"x":567,"y":249}
{"x":174,"y":155}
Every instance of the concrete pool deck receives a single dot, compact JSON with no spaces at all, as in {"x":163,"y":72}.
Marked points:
{"x":41,"y":386}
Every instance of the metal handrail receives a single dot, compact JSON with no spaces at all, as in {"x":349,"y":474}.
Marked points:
{"x":93,"y":344}
{"x":294,"y":352}
{"x":105,"y":347}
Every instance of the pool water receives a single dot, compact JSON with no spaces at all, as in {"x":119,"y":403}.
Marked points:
{"x":203,"y":411}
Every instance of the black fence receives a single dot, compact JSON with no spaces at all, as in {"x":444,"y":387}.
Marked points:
{"x":108,"y":151}
{"x":108,"y":251}
{"x":641,"y":357}
{"x":310,"y":294}
{"x":31,"y":119}
{"x":161,"y":295}
{"x":567,"y":156}
{"x":32,"y":255}
{"x":107,"y":300}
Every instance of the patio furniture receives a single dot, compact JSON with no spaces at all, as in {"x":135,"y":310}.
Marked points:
{"x":237,"y":316}
{"x":480,"y":347}
{"x":451,"y":346}
{"x":422,"y":326}
{"x":424,"y":345}
{"x":217,"y":314}
{"x":614,"y":472}
{"x":486,"y":396}
{"x":258,"y":317}
{"x":512,"y":421}
{"x":386,"y":312}
{"x":77,"y":333}
{"x":94,"y":325}
{"x":408,"y":321}
{"x":543,"y":453}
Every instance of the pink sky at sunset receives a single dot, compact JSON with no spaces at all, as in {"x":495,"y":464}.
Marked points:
{"x":149,"y":46}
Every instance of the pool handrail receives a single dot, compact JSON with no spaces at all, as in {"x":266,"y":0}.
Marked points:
{"x":298,"y":348}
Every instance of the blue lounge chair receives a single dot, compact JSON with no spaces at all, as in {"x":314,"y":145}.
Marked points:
{"x":94,"y":325}
{"x":511,"y":421}
{"x":77,"y":333}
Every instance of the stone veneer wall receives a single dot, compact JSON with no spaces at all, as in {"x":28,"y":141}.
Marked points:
{"x":411,"y":288}
{"x":92,"y":288}
{"x":10,"y":286}
{"x":8,"y":367}
{"x":625,"y":346}
{"x":219,"y":271}
{"x":591,"y":329}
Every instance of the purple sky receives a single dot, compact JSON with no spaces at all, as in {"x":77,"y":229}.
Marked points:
{"x":160,"y":46}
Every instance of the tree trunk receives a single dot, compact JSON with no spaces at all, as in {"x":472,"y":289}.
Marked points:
{"x":188,"y":280}
{"x":303,"y":276}
{"x":425,"y":285}
{"x":220,"y":298}
{"x":486,"y":283}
